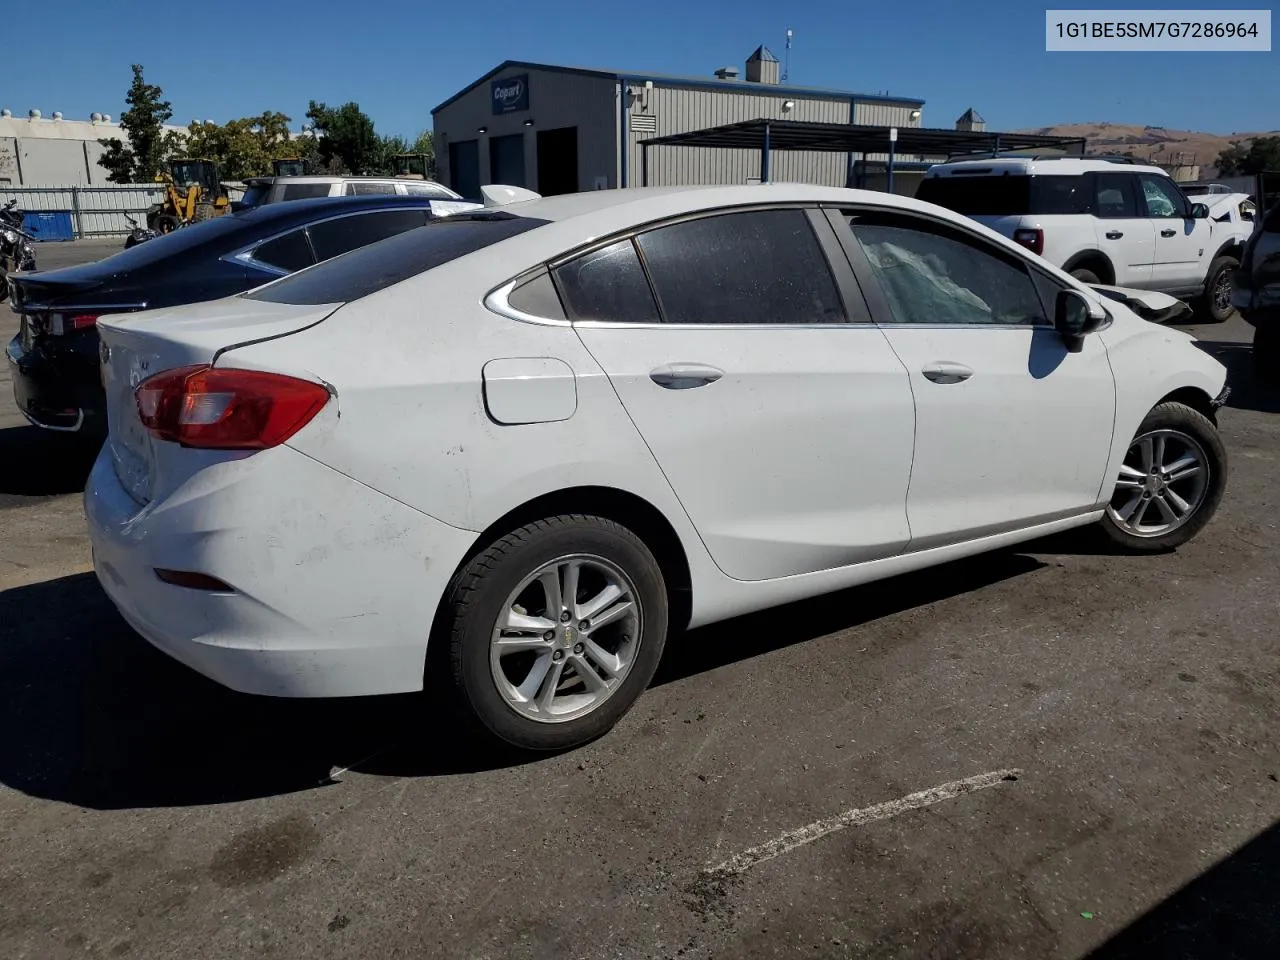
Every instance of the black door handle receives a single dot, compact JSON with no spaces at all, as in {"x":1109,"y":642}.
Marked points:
{"x":1114,"y":234}
{"x":1167,"y":233}
{"x":685,"y":376}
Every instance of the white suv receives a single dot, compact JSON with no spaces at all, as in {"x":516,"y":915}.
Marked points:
{"x":260,"y":190}
{"x":1100,"y":220}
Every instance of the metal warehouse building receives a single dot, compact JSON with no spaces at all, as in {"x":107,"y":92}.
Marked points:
{"x":560,"y":129}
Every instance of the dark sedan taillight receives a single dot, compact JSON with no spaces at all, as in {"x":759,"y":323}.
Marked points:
{"x":64,"y":323}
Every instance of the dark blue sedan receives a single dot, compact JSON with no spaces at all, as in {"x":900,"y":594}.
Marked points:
{"x":54,"y":357}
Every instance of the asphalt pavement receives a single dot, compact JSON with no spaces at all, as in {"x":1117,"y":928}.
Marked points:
{"x":1049,"y":752}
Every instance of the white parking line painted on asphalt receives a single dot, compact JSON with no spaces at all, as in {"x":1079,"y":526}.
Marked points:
{"x":792,"y":839}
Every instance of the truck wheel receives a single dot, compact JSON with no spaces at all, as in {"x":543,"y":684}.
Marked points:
{"x":1085,"y":276}
{"x":1266,"y":353}
{"x":1215,"y":303}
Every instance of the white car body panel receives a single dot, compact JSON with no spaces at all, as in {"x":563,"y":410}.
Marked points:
{"x":1046,"y":418}
{"x":340,"y":544}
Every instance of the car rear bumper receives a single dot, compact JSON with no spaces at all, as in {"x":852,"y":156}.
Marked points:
{"x":334,"y":586}
{"x":62,"y":395}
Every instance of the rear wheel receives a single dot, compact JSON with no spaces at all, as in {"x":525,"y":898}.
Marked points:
{"x":1266,"y":353}
{"x":1085,"y":276}
{"x":556,"y":630}
{"x":1170,"y":483}
{"x":1215,"y":303}
{"x":166,"y":223}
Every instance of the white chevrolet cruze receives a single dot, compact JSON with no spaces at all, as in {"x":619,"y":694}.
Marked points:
{"x":508,"y":453}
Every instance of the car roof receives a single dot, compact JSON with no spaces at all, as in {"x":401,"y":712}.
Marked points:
{"x":344,"y":178}
{"x":1031,"y":166}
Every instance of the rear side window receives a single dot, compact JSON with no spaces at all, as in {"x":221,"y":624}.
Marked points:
{"x":1114,"y":196}
{"x":290,"y":252}
{"x":985,"y":195}
{"x":607,"y":285}
{"x":761,"y":267}
{"x":377,"y":266}
{"x":1008,"y":195}
{"x":304,"y":191}
{"x":537,"y":297}
{"x":416,"y":188}
{"x":332,"y":238}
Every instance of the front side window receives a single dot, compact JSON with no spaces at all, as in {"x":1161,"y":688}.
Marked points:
{"x":1163,"y":197}
{"x":757,"y":267}
{"x":931,"y":274}
{"x":607,"y":285}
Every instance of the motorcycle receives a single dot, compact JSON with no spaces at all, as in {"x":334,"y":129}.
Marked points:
{"x":16,"y":250}
{"x":137,"y":233}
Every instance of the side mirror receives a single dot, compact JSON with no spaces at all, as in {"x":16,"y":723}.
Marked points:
{"x":1200,"y":211}
{"x":1074,"y":317}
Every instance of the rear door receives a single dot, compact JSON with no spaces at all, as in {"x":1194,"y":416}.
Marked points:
{"x":1122,"y":230}
{"x":780,"y":416}
{"x":1180,"y":241}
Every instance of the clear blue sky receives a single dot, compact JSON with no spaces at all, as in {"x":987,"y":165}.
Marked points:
{"x":398,"y":60}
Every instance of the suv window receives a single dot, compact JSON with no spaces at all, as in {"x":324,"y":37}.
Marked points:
{"x":608,"y":285}
{"x":1114,"y":196}
{"x":760,"y":267}
{"x":364,"y":188}
{"x":1163,"y":197}
{"x":377,"y":266}
{"x":290,"y":252}
{"x":932,"y":274}
{"x":304,"y":191}
{"x":1007,"y":195}
{"x":329,"y":238}
{"x":416,"y":188}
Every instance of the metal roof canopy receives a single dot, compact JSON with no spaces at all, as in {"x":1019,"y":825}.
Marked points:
{"x":850,"y":138}
{"x":856,"y":138}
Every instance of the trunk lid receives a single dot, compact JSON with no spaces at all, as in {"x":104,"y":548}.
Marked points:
{"x":136,"y":346}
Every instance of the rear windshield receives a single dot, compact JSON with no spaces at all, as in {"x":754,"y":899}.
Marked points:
{"x":305,"y":191}
{"x":1007,"y":195}
{"x":379,"y":265}
{"x":254,"y":194}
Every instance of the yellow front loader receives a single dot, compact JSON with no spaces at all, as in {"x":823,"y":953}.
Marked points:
{"x":192,"y":193}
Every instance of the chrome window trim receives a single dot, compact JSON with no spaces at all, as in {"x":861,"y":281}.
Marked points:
{"x":497,"y":302}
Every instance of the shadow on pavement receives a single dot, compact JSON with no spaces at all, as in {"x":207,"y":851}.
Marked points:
{"x":1229,"y":912}
{"x":1247,"y":391}
{"x":94,"y":716}
{"x":744,"y":637}
{"x":37,"y":463}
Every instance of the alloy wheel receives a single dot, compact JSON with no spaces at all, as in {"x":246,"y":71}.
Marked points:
{"x":1163,"y":482}
{"x":1222,"y":290}
{"x":566,"y":638}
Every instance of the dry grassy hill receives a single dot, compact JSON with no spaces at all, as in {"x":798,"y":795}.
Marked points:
{"x":1156,"y":144}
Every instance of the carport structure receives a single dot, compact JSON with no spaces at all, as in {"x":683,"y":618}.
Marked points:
{"x":770,"y":135}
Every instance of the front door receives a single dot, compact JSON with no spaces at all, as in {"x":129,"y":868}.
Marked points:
{"x":1011,"y":429}
{"x":1180,"y":239}
{"x":780,"y":416}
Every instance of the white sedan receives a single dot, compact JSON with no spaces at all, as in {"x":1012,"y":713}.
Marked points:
{"x":508,"y":454}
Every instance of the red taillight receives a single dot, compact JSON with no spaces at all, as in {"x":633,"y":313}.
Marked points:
{"x":60,"y":323}
{"x":227,"y":409}
{"x":1033,"y":240}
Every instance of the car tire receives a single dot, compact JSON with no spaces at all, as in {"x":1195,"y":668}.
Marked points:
{"x":1214,"y":305}
{"x":1177,"y":434}
{"x":1085,"y":276}
{"x":499,"y":687}
{"x":1266,"y":353}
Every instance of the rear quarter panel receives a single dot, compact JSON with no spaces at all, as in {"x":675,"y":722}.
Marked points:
{"x":411,"y":417}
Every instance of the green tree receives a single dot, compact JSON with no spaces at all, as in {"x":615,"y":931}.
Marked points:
{"x":244,"y":147}
{"x":346,"y":135}
{"x":1262,"y":154}
{"x":150,"y":145}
